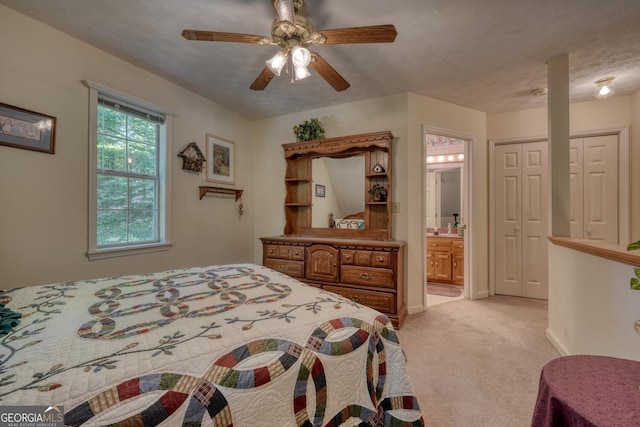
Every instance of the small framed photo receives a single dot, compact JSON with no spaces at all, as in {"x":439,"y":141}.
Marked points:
{"x":319,"y":190}
{"x":220,"y":160}
{"x":26,"y":129}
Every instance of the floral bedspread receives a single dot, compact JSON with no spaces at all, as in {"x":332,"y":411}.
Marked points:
{"x":225,"y":345}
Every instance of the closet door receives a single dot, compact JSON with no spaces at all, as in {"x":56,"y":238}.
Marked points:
{"x":521,"y":203}
{"x":601,"y":188}
{"x":534,"y":220}
{"x":508,"y":219}
{"x":594,"y":188}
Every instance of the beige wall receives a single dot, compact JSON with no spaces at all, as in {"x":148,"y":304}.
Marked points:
{"x":43,"y":197}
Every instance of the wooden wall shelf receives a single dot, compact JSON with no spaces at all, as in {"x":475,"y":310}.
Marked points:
{"x":219,"y":190}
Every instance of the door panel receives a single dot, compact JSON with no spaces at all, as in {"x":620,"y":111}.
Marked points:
{"x":534,"y":220}
{"x":576,"y":219}
{"x":601,"y":188}
{"x":521,"y":210}
{"x":507,"y":222}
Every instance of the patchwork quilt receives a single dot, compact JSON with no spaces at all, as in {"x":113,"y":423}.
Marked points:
{"x":228,"y":345}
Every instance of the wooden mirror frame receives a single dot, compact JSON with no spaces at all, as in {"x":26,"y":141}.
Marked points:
{"x":376,"y":148}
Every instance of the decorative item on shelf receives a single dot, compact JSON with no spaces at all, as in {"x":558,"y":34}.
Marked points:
{"x":378,"y":193}
{"x":377,"y":168}
{"x":309,"y":130}
{"x":192,"y":158}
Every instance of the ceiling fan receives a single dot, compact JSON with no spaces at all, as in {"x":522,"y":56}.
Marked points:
{"x":293,"y":33}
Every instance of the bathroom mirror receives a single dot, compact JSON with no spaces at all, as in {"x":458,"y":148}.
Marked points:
{"x":444,"y":195}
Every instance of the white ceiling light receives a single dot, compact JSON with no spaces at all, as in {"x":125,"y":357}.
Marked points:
{"x":277,"y":62}
{"x":301,"y":57}
{"x":605,"y":88}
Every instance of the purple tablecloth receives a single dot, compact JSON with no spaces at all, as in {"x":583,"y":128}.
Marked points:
{"x":588,"y":391}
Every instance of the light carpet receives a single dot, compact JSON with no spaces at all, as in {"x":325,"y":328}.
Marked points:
{"x":477,"y":363}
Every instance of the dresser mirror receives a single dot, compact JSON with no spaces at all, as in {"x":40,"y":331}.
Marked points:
{"x":335,"y":176}
{"x":342,"y":189}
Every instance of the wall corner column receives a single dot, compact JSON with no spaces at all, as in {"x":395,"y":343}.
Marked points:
{"x":558,"y":130}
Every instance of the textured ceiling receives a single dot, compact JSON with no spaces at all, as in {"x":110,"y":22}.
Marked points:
{"x":483,"y":54}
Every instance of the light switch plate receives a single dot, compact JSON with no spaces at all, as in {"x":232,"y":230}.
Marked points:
{"x":395,"y":207}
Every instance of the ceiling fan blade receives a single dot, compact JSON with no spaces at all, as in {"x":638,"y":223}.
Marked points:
{"x":263,"y":79}
{"x":328,"y":73}
{"x":371,"y":34}
{"x":216,"y":36}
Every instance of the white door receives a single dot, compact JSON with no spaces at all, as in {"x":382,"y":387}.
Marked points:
{"x":594,"y":188}
{"x":520,"y":207}
{"x":431,"y":198}
{"x":534,"y":220}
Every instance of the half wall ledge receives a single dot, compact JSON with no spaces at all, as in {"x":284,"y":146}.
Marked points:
{"x":603,"y":250}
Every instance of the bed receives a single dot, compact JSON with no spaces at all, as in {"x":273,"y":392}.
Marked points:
{"x":228,"y":345}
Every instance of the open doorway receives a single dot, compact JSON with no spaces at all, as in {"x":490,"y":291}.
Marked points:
{"x":446,"y":203}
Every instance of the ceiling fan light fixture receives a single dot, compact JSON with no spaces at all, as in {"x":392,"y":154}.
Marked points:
{"x":606,"y":88}
{"x":302,"y":73}
{"x":277,"y":62}
{"x":300,"y":56}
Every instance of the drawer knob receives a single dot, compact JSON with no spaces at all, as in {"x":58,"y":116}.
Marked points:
{"x":433,"y":244}
{"x":283,"y":268}
{"x":355,"y":298}
{"x":270,"y":251}
{"x":347,"y":257}
{"x":365,"y":276}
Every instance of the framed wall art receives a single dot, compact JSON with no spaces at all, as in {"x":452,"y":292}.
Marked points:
{"x":220,"y":160}
{"x":26,"y":129}
{"x":320,"y":189}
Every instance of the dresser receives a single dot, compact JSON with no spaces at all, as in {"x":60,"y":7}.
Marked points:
{"x":370,"y":272}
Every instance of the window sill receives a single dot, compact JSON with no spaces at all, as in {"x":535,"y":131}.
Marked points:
{"x":131,"y":250}
{"x":603,"y":250}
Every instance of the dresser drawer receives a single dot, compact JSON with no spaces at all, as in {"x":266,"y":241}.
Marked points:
{"x":288,"y":267}
{"x":438,"y":244}
{"x":381,"y":301}
{"x":284,"y":252}
{"x":378,"y":277}
{"x":365,"y":258}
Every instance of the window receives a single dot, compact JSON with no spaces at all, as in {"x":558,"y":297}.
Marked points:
{"x":128,"y":200}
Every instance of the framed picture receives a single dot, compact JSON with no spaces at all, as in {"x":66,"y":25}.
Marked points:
{"x":26,"y":129}
{"x":319,"y":190}
{"x":220,"y":160}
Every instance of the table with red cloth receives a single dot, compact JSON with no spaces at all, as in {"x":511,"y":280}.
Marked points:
{"x":588,"y":391}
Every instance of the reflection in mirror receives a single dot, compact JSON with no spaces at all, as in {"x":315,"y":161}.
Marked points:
{"x":343,"y":181}
{"x":444,"y":196}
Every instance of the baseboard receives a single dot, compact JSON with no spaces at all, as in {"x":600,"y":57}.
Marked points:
{"x":556,"y":344}
{"x":415,"y":309}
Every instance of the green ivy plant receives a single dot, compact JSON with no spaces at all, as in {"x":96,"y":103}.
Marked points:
{"x":309,"y":130}
{"x":635,"y":281}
